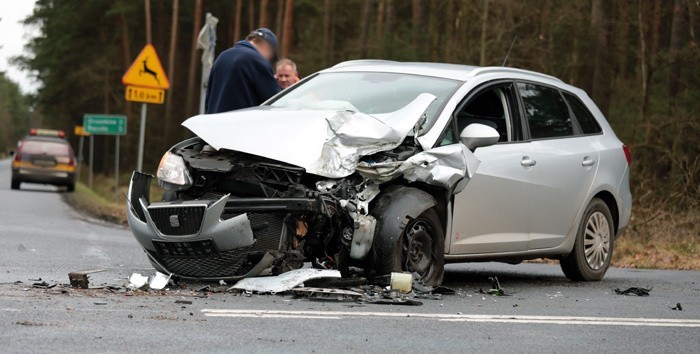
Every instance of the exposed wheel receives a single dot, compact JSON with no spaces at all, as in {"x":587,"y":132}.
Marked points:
{"x":593,"y":247}
{"x":15,"y":184}
{"x":419,"y":249}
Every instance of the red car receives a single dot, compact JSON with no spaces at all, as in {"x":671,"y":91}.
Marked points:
{"x":44,"y":156}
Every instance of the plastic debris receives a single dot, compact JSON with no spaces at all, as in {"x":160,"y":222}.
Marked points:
{"x":402,"y":282}
{"x":283,"y":282}
{"x":678,"y":307}
{"x":633,"y":291}
{"x":137,"y":281}
{"x":327,"y":294}
{"x":159,"y":281}
{"x":43,"y":285}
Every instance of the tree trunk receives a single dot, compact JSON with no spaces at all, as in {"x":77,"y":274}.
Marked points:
{"x":237,"y":21}
{"x":365,"y":9}
{"x":171,"y":68}
{"x":147,"y":4}
{"x":380,"y":32}
{"x":600,"y":27}
{"x":326,"y":31}
{"x":263,"y":19}
{"x":251,"y":15}
{"x":288,"y":28}
{"x":192,"y":70}
{"x":279,"y":16}
{"x":417,"y":19}
{"x":679,"y":31}
{"x":484,"y":27}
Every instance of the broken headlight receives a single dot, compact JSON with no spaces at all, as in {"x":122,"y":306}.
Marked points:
{"x":173,"y":174}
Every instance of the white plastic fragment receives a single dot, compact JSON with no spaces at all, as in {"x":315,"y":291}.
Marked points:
{"x":159,"y":281}
{"x":285,"y":281}
{"x":137,"y":281}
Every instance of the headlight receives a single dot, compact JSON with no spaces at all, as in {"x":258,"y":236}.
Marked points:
{"x":172,"y":173}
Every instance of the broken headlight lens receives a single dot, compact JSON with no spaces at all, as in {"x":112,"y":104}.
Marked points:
{"x":172,"y":173}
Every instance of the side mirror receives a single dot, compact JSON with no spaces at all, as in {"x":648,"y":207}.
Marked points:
{"x":478,"y":135}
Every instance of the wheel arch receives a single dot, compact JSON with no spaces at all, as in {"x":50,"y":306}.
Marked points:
{"x":611,"y":202}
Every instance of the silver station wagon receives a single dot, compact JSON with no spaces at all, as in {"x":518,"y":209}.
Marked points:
{"x":372,"y":167}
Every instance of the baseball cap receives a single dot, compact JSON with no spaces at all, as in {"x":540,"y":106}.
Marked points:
{"x":268,"y":36}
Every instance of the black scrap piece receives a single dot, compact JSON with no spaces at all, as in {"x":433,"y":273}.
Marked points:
{"x":633,"y":291}
{"x":397,"y":301}
{"x":43,"y":285}
{"x":421,"y":288}
{"x":183,"y":302}
{"x":678,"y":307}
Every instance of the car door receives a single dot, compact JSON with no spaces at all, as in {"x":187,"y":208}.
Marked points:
{"x":492,"y":215}
{"x":564,"y":164}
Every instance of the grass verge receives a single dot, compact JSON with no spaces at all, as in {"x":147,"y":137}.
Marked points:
{"x":87,"y":201}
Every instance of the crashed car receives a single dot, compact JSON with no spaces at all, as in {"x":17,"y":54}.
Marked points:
{"x":378,"y":166}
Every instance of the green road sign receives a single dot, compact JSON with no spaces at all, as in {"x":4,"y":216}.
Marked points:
{"x":104,"y":124}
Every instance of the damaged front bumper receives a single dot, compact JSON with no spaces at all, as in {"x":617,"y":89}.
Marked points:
{"x":214,"y":237}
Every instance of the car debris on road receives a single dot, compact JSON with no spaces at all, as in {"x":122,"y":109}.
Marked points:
{"x":633,"y":291}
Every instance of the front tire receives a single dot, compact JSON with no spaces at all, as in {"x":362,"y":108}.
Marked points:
{"x":419,"y":249}
{"x":15,"y":184}
{"x":593,"y":247}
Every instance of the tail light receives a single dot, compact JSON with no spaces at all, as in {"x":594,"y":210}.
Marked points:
{"x":71,"y":160}
{"x":18,"y":153}
{"x":628,"y":155}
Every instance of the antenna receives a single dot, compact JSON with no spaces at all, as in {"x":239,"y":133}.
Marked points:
{"x":509,"y":49}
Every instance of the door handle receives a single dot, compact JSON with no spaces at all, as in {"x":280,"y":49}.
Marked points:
{"x":527,"y":161}
{"x":587,"y":161}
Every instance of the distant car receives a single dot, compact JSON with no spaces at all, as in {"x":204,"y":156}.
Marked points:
{"x":45,"y":157}
{"x":382,"y":167}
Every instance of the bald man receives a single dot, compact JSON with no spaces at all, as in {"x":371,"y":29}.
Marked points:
{"x":286,"y":73}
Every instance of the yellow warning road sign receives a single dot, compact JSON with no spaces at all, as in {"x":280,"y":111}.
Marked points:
{"x":146,"y":71}
{"x":143,"y":94}
{"x":80,"y":131}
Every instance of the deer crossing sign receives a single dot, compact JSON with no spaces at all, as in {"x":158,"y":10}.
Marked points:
{"x":146,"y":78}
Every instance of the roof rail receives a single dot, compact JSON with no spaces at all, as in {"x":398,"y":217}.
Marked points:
{"x":501,"y":69}
{"x":362,"y":62}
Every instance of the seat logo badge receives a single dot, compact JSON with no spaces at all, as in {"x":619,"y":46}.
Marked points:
{"x":174,"y":221}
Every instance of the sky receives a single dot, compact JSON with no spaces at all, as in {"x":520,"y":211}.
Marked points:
{"x":13,"y":37}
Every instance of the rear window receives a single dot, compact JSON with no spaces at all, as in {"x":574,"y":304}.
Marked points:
{"x":41,"y":147}
{"x":547,"y":113}
{"x":585,"y":118}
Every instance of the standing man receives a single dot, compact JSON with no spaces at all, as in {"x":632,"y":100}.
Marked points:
{"x":286,"y":73}
{"x":241,"y":76}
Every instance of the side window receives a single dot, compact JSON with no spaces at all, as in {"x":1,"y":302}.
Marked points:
{"x":585,"y":118}
{"x":546,"y":112}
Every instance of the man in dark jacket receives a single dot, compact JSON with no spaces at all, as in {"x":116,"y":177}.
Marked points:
{"x":241,"y":76}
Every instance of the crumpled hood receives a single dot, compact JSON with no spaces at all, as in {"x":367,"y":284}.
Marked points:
{"x":325,"y":143}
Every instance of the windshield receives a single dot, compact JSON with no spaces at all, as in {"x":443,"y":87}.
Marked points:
{"x":367,"y":92}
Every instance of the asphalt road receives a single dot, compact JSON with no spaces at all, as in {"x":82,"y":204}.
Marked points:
{"x":42,"y":237}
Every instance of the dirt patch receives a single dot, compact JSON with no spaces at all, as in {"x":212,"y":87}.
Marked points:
{"x":87,"y":202}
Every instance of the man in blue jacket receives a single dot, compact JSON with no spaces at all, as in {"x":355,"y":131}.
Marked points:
{"x":241,"y":76}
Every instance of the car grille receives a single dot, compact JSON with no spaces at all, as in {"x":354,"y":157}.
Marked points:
{"x":223,"y":264}
{"x":178,"y":221}
{"x":201,"y":259}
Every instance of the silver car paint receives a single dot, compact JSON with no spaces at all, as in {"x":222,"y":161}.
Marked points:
{"x":522,"y":229}
{"x":325,"y":143}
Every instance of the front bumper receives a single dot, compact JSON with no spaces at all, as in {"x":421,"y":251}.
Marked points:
{"x":212,"y":238}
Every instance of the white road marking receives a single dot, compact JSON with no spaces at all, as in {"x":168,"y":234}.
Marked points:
{"x":564,"y":320}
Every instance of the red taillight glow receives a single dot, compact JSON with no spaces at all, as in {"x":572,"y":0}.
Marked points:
{"x":628,"y":155}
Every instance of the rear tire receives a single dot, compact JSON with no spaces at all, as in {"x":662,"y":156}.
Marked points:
{"x":70,"y":187}
{"x":593,"y":247}
{"x":419,"y":249}
{"x":15,"y":184}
